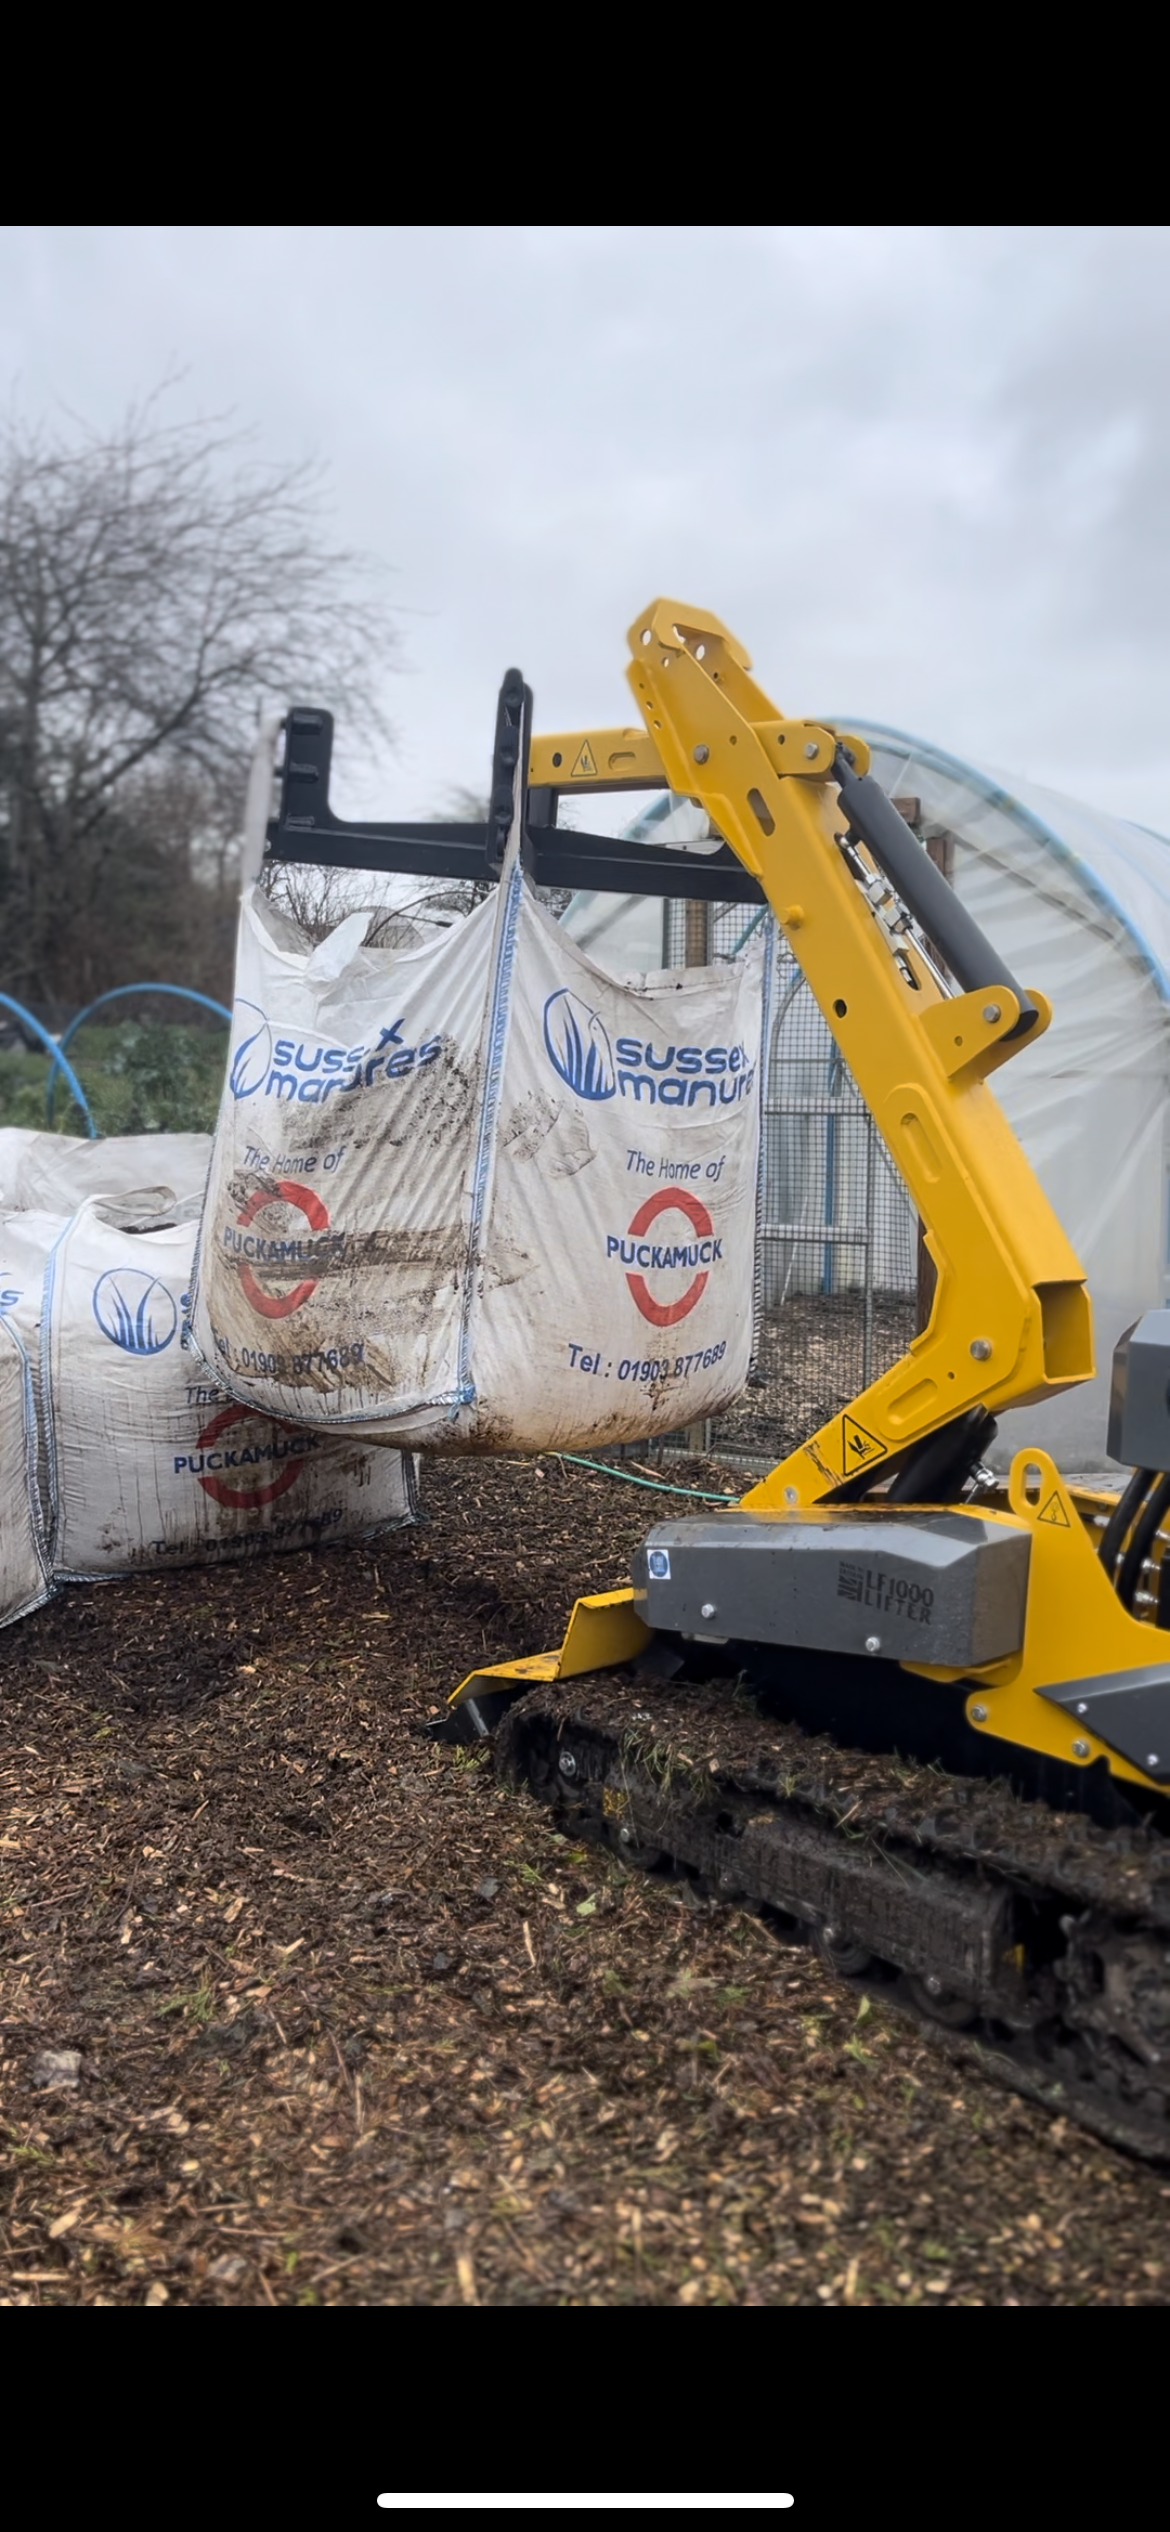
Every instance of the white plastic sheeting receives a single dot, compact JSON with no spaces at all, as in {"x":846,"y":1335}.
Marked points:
{"x":1079,"y":904}
{"x":479,"y":1194}
{"x":628,"y":936}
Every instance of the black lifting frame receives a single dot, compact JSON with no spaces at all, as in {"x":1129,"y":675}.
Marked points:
{"x":306,"y":830}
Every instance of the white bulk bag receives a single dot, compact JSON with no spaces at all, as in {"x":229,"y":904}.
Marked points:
{"x":56,"y":1172}
{"x":27,"y":1241}
{"x":23,"y":1578}
{"x":480,"y":1195}
{"x":151,"y":1464}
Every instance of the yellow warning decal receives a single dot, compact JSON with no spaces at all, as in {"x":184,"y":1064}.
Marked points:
{"x":858,"y":1447}
{"x":586,"y":762}
{"x":1054,"y":1513}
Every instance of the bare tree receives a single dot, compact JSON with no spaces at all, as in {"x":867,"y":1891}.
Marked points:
{"x":157,"y":587}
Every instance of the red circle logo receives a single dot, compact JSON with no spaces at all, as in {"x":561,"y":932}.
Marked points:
{"x":246,"y":1498}
{"x":666,"y":1314}
{"x":286,"y":1191}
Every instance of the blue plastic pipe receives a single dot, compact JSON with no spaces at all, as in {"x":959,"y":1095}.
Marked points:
{"x":116,"y":993}
{"x":58,"y":1059}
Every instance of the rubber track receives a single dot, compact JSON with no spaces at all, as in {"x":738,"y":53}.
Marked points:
{"x":1048,"y":1937}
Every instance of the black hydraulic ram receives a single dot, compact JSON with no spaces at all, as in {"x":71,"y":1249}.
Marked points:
{"x":926,"y":895}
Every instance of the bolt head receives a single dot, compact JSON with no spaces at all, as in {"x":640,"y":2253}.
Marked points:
{"x":1080,"y":1749}
{"x":708,"y":1609}
{"x":992,"y":1013}
{"x":873,"y":1643}
{"x":701,"y":753}
{"x":812,"y":748}
{"x":978,"y":1714}
{"x":1082,"y":1709}
{"x":567,"y":1763}
{"x":933,"y":1985}
{"x":790,"y":1495}
{"x":1152,"y":1760}
{"x":980,"y":1349}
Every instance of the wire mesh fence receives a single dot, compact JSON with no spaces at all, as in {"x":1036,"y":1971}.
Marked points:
{"x":838,"y":1258}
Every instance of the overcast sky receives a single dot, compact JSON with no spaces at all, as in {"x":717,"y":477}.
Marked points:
{"x":923,"y":473}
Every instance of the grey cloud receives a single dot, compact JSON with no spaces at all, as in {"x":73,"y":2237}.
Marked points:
{"x":922,"y":471}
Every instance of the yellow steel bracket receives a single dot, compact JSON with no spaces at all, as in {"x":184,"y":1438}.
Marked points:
{"x":597,"y":760}
{"x":603,"y":1631}
{"x":1076,"y":1627}
{"x":971,"y":1035}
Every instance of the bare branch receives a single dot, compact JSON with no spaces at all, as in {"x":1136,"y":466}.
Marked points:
{"x":159,"y":585}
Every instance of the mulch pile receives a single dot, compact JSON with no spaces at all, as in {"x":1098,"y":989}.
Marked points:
{"x":299,"y":2008}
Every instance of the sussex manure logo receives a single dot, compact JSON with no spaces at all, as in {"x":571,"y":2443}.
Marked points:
{"x":309,"y":1070}
{"x":657,"y":1074}
{"x":134,"y":1310}
{"x":577,"y":1043}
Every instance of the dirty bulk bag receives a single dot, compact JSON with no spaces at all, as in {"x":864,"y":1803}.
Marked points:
{"x":613,"y":1290}
{"x":56,"y":1172}
{"x":27,"y":1241}
{"x":333,"y":1250}
{"x":23,"y":1574}
{"x":151,"y":1464}
{"x":480,"y":1195}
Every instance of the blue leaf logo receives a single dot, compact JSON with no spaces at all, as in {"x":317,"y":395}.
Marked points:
{"x":252,"y":1061}
{"x":134,"y":1310}
{"x":578,"y":1046}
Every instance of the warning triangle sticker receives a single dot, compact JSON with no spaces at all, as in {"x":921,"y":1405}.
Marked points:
{"x":586,"y":762}
{"x":1054,"y":1513}
{"x":857,"y":1446}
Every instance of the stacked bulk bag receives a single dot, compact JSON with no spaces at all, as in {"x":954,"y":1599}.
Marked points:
{"x":150,"y":1464}
{"x":53,"y":1173}
{"x":117,"y":1452}
{"x":27,"y":1241}
{"x":23,"y":1576}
